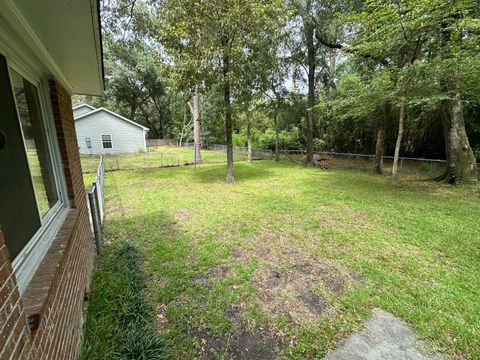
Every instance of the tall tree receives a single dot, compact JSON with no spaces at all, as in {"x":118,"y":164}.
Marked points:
{"x":312,"y":17}
{"x":440,"y":34}
{"x":224,"y":36}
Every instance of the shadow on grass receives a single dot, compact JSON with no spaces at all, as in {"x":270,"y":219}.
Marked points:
{"x":242,"y":172}
{"x":206,"y":173}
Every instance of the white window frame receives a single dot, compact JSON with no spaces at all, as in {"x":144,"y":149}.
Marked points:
{"x":111,"y":141}
{"x":27,"y":261}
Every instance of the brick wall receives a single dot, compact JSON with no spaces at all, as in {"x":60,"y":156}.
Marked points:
{"x":45,"y":322}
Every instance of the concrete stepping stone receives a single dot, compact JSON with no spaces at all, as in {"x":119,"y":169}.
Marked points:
{"x":385,"y":337}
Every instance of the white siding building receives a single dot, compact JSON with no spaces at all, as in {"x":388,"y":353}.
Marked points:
{"x":101,"y":131}
{"x":82,"y":109}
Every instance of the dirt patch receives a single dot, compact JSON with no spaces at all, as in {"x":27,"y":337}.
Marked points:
{"x":214,"y":273}
{"x":330,"y":277}
{"x":241,"y":256}
{"x":314,"y":302}
{"x":243,"y":343}
{"x":292,"y":192}
{"x":290,"y":294}
{"x":183,"y":215}
{"x":161,"y":317}
{"x":327,"y":220}
{"x":294,"y":284}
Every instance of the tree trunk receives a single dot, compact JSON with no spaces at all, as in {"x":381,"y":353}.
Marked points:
{"x":184,"y":126}
{"x":160,"y":122}
{"x":380,"y":143}
{"x":401,"y":120}
{"x":332,"y":68}
{"x":277,"y":150}
{"x":379,"y":150}
{"x":294,"y":79}
{"x":151,"y":126}
{"x":310,"y":105}
{"x":196,"y":126}
{"x":133,"y":110}
{"x":311,"y":60}
{"x":461,"y":161}
{"x":249,"y":141}
{"x":228,"y":116}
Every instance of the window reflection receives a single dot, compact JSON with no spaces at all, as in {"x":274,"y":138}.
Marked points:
{"x":39,"y":160}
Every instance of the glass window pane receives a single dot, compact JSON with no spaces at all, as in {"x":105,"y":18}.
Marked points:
{"x":39,"y":161}
{"x":107,"y":141}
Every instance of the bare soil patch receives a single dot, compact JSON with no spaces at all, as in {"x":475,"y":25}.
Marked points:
{"x":245,"y":342}
{"x":292,"y":283}
{"x":214,"y":273}
{"x":183,"y":214}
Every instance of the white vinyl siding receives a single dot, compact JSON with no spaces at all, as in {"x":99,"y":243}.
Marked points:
{"x":125,"y":137}
{"x":82,"y":109}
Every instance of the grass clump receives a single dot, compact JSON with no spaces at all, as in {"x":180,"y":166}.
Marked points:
{"x":120,"y":322}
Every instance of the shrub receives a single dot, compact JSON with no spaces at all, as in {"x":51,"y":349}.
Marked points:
{"x":120,"y":319}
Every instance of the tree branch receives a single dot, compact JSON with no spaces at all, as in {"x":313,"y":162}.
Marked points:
{"x":349,"y":50}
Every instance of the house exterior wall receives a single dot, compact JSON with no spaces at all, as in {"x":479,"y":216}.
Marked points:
{"x":126,"y":137}
{"x":81,"y":110}
{"x":45,"y":321}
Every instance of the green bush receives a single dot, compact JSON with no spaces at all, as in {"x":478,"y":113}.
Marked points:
{"x":239,"y":139}
{"x":120,"y":320}
{"x":288,"y":139}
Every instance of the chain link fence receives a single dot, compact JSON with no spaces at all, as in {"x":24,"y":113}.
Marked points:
{"x":159,"y":157}
{"x":406,"y":165}
{"x":96,"y":203}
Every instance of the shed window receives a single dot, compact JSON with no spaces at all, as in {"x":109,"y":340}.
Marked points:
{"x":107,"y":141}
{"x":88,"y":141}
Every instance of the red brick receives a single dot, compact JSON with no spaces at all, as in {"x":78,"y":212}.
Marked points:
{"x":56,"y":291}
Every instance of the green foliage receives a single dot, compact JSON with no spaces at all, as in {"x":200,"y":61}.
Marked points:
{"x":409,"y":52}
{"x":239,"y":139}
{"x":120,"y":321}
{"x":288,"y":139}
{"x":200,"y":36}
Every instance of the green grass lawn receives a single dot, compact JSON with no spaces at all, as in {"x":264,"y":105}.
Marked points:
{"x":289,"y":260}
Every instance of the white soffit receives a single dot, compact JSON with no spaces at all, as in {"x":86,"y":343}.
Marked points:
{"x":65,"y":36}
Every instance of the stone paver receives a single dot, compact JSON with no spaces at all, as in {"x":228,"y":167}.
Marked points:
{"x":385,"y":337}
